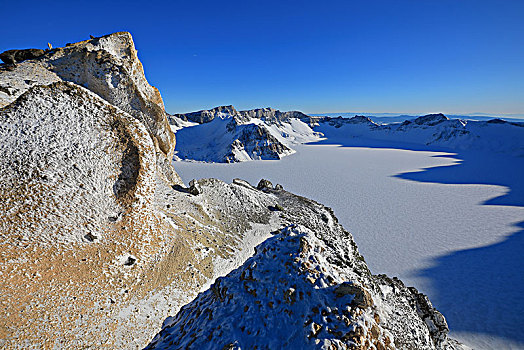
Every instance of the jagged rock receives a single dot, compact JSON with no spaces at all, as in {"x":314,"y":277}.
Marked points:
{"x":311,"y":291}
{"x":264,"y":184}
{"x":257,"y":142}
{"x":194,"y":188}
{"x":242,"y":183}
{"x":14,"y":56}
{"x":361,"y":297}
{"x":205,"y":116}
{"x":279,"y":187}
{"x":227,"y":135}
{"x":274,"y":116}
{"x":109,"y":67}
{"x":267,"y":114}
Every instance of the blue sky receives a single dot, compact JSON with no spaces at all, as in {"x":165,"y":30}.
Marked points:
{"x":417,"y":56}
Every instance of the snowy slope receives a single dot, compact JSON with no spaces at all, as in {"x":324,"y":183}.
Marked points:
{"x":309,"y":277}
{"x":434,"y":130}
{"x":437,"y":236}
{"x":225,"y":135}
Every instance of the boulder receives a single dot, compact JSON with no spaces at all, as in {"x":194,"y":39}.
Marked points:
{"x":264,"y":184}
{"x":14,"y":56}
{"x":194,"y":188}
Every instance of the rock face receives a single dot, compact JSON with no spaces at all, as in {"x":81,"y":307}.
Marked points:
{"x":13,"y":56}
{"x":109,"y":67}
{"x":67,"y":170}
{"x":205,"y":116}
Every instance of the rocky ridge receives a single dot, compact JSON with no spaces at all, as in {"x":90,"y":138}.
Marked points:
{"x":290,"y":128}
{"x":100,"y":242}
{"x":227,"y":135}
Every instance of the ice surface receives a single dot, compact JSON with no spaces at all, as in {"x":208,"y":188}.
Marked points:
{"x":433,"y":229}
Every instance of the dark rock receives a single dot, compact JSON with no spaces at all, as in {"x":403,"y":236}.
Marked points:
{"x":276,"y":207}
{"x":90,"y":237}
{"x":130,"y":261}
{"x":265,"y":184}
{"x":431,"y":119}
{"x":205,"y":116}
{"x":496,"y":121}
{"x":13,"y":56}
{"x":194,"y":188}
{"x":279,"y":187}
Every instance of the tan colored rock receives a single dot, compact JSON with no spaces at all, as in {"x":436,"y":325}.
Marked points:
{"x":72,"y":165}
{"x":109,"y":67}
{"x":361,"y":299}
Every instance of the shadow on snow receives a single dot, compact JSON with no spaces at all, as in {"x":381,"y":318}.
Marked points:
{"x":479,"y":290}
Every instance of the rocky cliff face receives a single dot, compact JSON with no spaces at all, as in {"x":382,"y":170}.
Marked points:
{"x":97,"y":248}
{"x":109,"y":67}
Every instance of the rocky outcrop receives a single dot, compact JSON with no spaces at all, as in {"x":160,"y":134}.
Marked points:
{"x":309,"y":277}
{"x":271,"y":115}
{"x":13,"y":56}
{"x":226,"y":138}
{"x":109,"y":67}
{"x":431,"y":119}
{"x":268,"y":115}
{"x":256,"y":142}
{"x":205,"y":116}
{"x":223,"y":134}
{"x":71,"y":161}
{"x":357,"y":120}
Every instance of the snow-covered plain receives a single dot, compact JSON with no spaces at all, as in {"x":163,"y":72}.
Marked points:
{"x":454,"y":231}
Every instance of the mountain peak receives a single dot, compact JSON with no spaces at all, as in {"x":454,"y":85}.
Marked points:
{"x":431,"y":119}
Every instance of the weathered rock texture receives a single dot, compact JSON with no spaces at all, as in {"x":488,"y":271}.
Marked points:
{"x":72,"y":165}
{"x":307,"y":286}
{"x":108,"y":66}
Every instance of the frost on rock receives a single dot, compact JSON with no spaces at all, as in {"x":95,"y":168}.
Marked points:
{"x":302,"y":291}
{"x":108,"y":66}
{"x":71,"y":165}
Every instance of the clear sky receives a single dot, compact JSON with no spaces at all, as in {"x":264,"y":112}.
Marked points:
{"x":405,"y":56}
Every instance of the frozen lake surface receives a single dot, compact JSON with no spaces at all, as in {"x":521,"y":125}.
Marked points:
{"x":454,"y":231}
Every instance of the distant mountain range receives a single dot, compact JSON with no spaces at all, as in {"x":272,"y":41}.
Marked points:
{"x":223,"y":134}
{"x":387,"y":118}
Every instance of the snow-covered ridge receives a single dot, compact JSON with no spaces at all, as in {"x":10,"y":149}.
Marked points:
{"x":310,"y":277}
{"x":433,"y":130}
{"x":223,"y":134}
{"x":285,"y":129}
